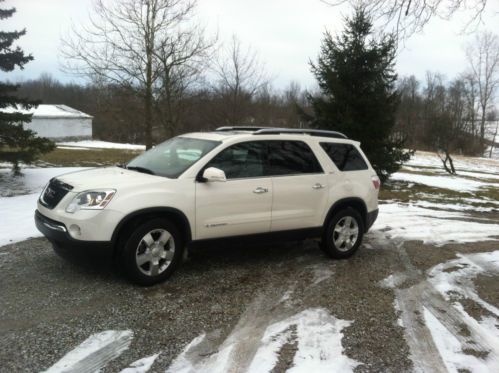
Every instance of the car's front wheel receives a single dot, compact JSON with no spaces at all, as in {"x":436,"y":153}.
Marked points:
{"x":152,"y":252}
{"x":343,"y":234}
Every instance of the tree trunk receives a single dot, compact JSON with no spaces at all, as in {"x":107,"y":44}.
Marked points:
{"x":482,"y":130}
{"x":493,"y":141}
{"x":448,"y":159}
{"x":149,"y":43}
{"x":148,"y":111}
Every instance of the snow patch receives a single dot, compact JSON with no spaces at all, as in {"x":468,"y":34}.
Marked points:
{"x":18,"y":212}
{"x":32,"y":180}
{"x":455,"y":207}
{"x":450,"y":348}
{"x":318,"y":337}
{"x":410,"y":222}
{"x":475,"y":164}
{"x":315,"y":332}
{"x":141,"y":366}
{"x":91,"y":144}
{"x":321,"y":274}
{"x":445,"y":182}
{"x":94,"y":353}
{"x":393,"y":281}
{"x":189,"y":362}
{"x":455,"y":277}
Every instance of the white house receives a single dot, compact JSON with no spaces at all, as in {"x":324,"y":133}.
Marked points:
{"x":58,"y":122}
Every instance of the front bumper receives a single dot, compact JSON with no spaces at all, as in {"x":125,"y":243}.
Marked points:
{"x":57,"y":233}
{"x":371,"y":218}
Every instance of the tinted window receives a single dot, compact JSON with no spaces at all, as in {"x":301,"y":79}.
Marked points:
{"x":345,"y":156}
{"x":241,"y":160}
{"x":290,"y":158}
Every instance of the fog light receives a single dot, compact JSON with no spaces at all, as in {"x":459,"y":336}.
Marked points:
{"x":74,"y":230}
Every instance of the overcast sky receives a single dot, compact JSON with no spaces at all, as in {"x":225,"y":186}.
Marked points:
{"x":286,"y":34}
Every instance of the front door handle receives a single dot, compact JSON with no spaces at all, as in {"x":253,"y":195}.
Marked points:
{"x":260,"y":190}
{"x":317,"y":186}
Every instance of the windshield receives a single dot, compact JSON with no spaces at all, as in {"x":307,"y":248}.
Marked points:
{"x":173,"y":157}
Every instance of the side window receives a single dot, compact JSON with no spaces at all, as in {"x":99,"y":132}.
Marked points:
{"x":345,"y":156}
{"x":242,"y":160}
{"x":291,"y":158}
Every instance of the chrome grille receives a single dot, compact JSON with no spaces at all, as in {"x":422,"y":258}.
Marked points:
{"x":54,"y":193}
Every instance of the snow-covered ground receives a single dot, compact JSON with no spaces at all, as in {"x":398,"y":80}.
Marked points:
{"x":96,"y":144}
{"x":473,"y":164}
{"x":437,"y":309}
{"x":18,"y":196}
{"x":456,"y":183}
{"x":443,"y":214}
{"x":438,"y":227}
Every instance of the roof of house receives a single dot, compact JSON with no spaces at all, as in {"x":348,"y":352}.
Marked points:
{"x":50,"y":112}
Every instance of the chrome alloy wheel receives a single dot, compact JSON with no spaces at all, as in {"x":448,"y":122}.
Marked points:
{"x":345,"y":233}
{"x":155,"y":252}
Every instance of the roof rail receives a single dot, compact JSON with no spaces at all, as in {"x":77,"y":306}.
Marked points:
{"x":242,"y":128}
{"x":305,"y":131}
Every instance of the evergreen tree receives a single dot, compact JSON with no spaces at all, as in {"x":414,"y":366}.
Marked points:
{"x":355,"y":72}
{"x":16,"y":143}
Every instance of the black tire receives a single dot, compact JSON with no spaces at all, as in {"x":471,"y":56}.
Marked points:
{"x":135,"y":244}
{"x":331,"y":239}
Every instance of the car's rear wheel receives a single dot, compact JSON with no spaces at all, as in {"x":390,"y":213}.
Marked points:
{"x":343,"y":234}
{"x":152,"y":252}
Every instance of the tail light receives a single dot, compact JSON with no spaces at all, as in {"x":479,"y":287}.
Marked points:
{"x":376,"y":182}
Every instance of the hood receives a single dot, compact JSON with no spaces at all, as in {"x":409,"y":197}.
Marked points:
{"x":108,"y":177}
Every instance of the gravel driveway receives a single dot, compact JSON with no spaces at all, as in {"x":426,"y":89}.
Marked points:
{"x":48,"y":305}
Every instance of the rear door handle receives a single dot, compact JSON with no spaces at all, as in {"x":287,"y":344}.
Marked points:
{"x":260,"y":190}
{"x":317,"y":186}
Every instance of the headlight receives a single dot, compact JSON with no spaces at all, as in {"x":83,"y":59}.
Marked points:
{"x":91,"y":200}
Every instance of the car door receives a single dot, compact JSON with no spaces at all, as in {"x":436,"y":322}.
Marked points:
{"x":242,"y":204}
{"x":300,"y":191}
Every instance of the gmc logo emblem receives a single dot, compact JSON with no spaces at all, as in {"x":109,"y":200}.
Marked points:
{"x":49,"y":192}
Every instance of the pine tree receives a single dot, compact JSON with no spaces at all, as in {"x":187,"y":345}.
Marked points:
{"x":16,"y":143}
{"x":355,"y":73}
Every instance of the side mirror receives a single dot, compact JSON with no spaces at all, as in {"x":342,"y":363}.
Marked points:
{"x":214,"y":174}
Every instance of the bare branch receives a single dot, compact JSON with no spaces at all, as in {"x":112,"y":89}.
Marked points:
{"x":150,"y":46}
{"x":411,"y":16}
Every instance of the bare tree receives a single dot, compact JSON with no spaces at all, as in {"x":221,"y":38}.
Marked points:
{"x":483,"y":59}
{"x":409,"y":109}
{"x":445,"y":114}
{"x":471,"y":101}
{"x":411,"y":16}
{"x":140,"y":45}
{"x":239,"y":75}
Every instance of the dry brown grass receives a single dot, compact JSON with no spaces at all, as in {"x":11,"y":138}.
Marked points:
{"x":87,"y":157}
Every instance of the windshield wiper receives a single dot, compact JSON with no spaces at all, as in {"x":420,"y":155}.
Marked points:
{"x":141,"y":169}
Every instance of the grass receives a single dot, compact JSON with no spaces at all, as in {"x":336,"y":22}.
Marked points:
{"x":402,"y":191}
{"x":86,"y":158}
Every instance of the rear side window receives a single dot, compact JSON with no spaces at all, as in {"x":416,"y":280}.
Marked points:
{"x":345,"y":156}
{"x":291,"y":158}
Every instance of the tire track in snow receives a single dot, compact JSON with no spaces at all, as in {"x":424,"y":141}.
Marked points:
{"x":429,"y":297}
{"x":271,"y":321}
{"x":94,"y":353}
{"x":235,"y":353}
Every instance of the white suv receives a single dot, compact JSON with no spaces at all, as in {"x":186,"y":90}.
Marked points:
{"x":254,"y":182}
